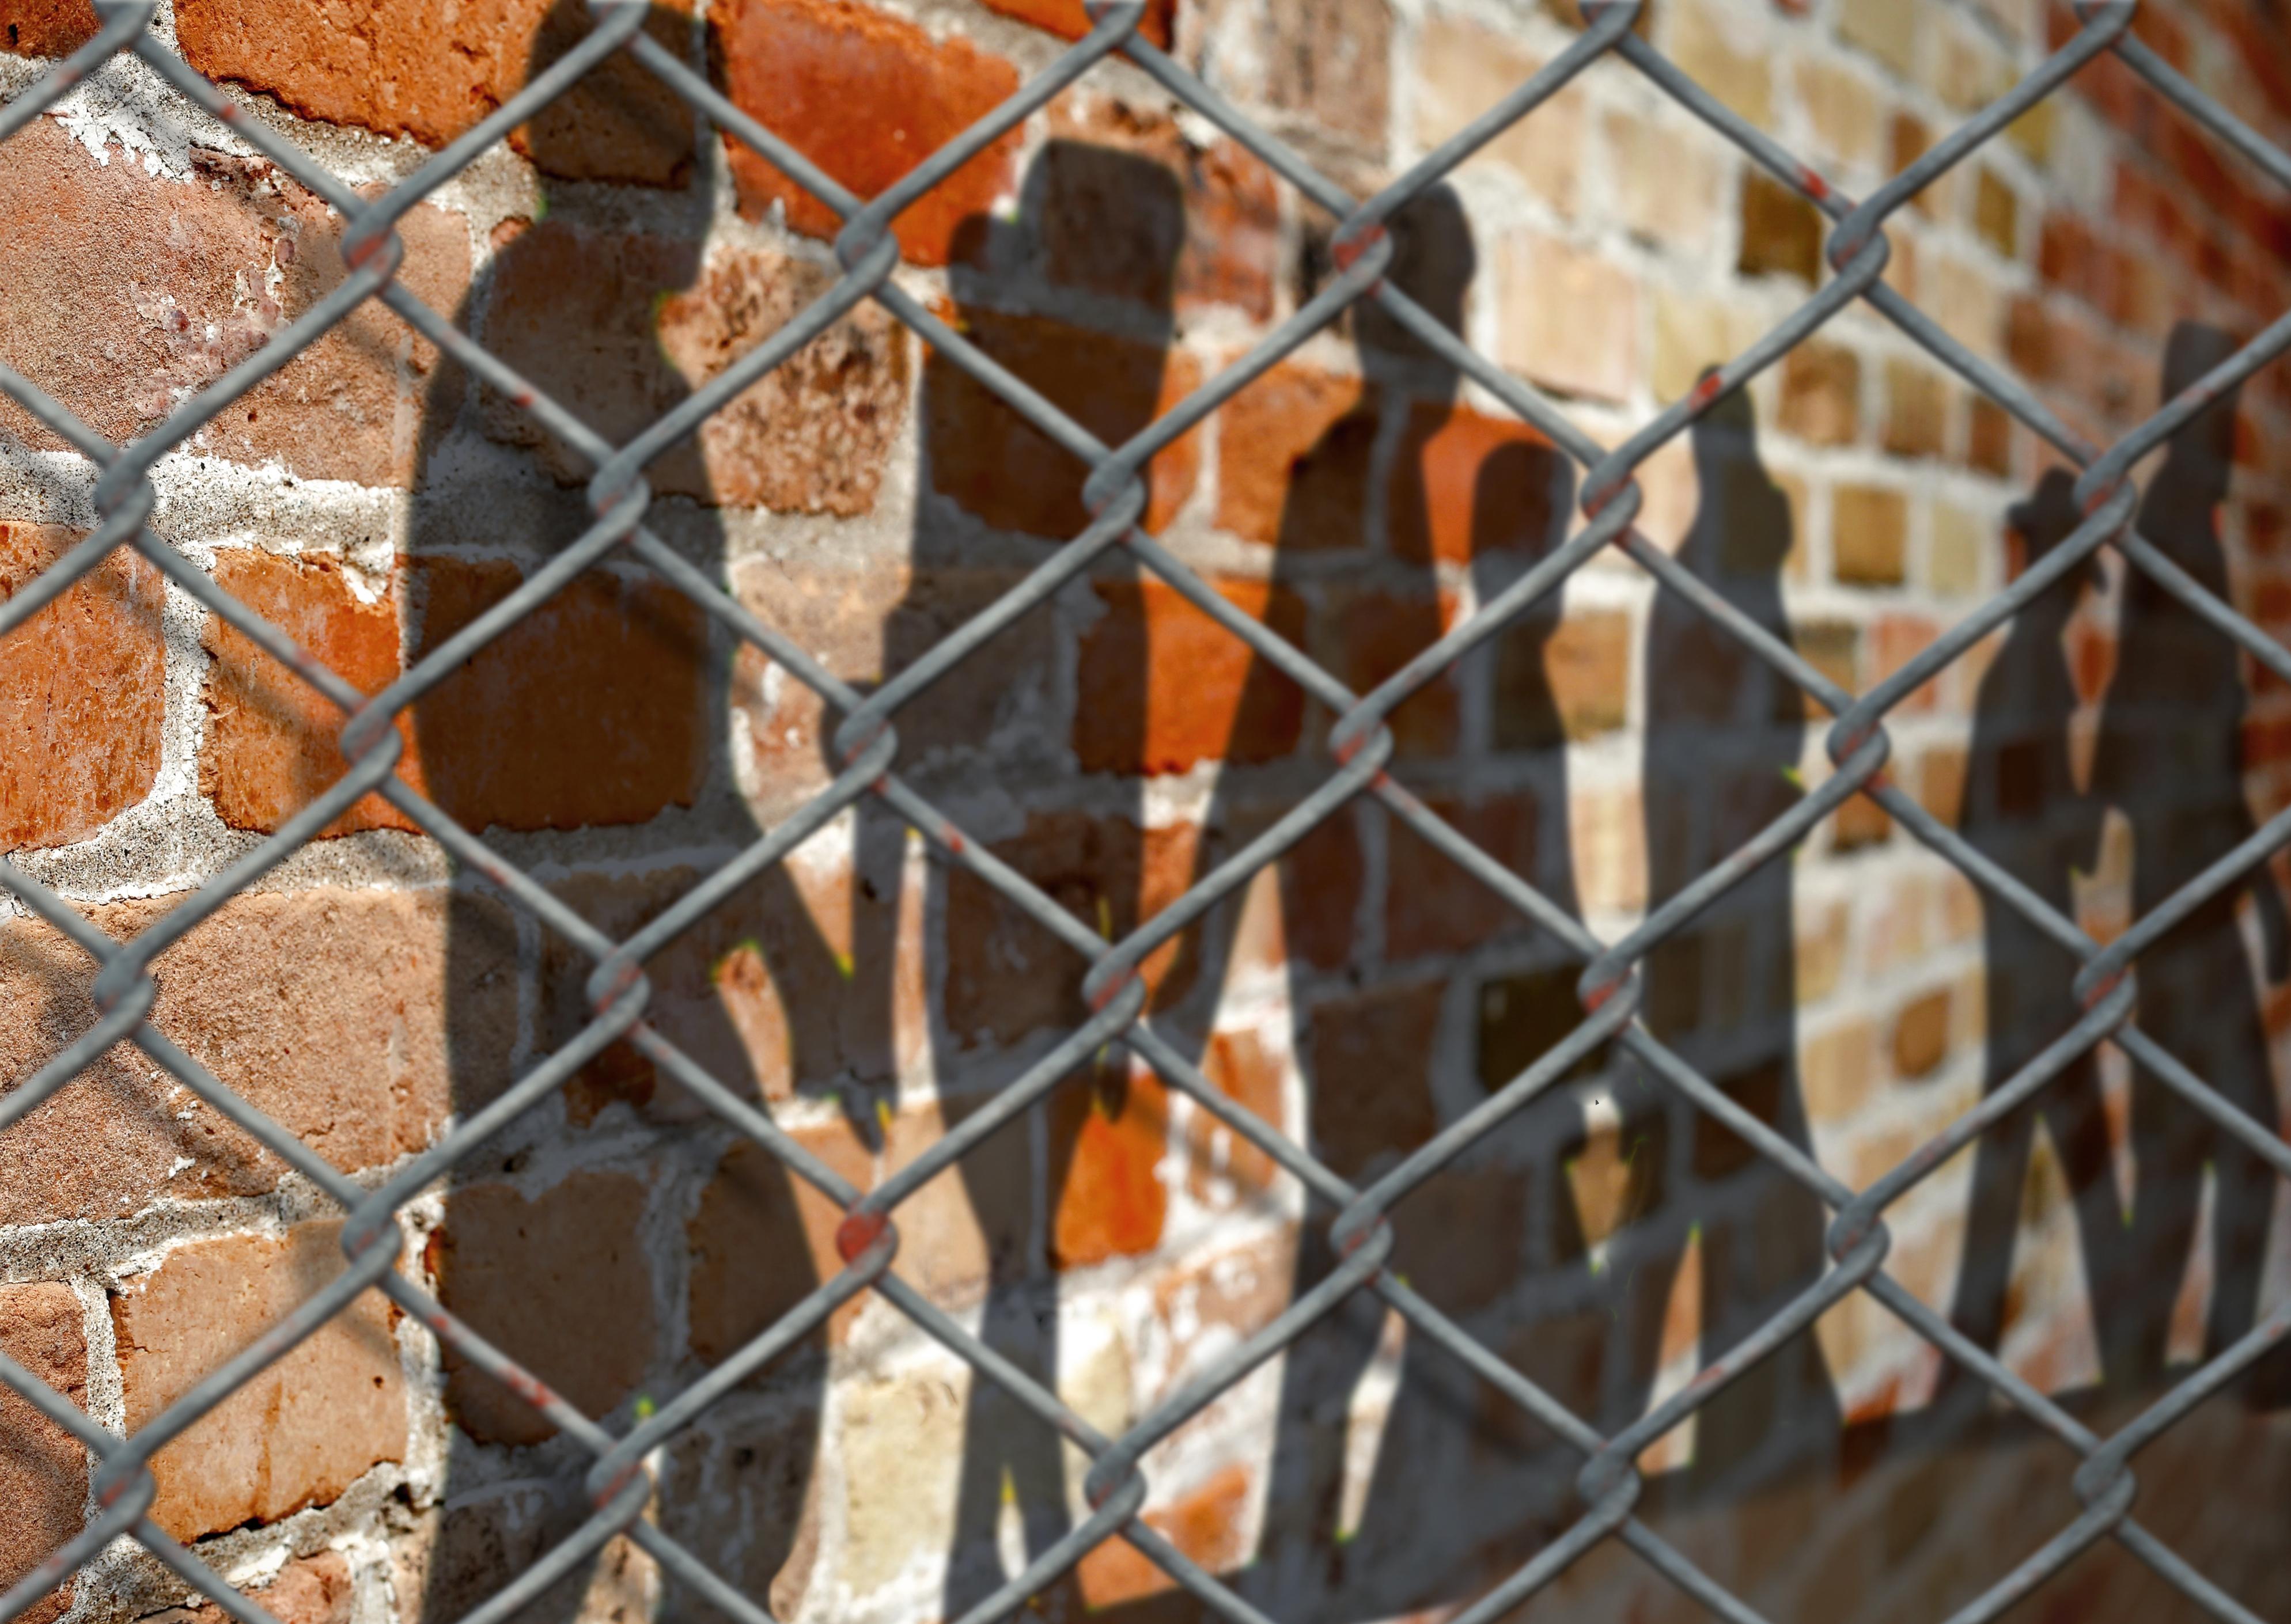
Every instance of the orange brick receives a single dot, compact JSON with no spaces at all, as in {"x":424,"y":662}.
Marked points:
{"x":83,"y":693}
{"x":45,"y":28}
{"x":867,"y":97}
{"x":296,"y":1435}
{"x":1164,"y":687}
{"x":43,"y":1469}
{"x":273,"y":744}
{"x":1107,"y":1143}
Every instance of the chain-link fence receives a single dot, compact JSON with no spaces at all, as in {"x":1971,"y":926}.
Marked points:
{"x":867,"y":747}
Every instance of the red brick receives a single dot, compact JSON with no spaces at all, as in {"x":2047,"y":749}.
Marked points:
{"x":590,"y":711}
{"x":1266,"y":433}
{"x":432,"y":71}
{"x":1318,"y":884}
{"x":339,"y":1012}
{"x":271,"y":744}
{"x":296,"y":1435}
{"x":866,"y":97}
{"x":1431,"y":904}
{"x":622,"y":328}
{"x":1232,"y":204}
{"x":1070,"y":19}
{"x":1163,"y":687}
{"x":83,"y":693}
{"x":527,"y":1276}
{"x":46,"y":27}
{"x":1006,"y":471}
{"x":43,"y":1470}
{"x":128,"y":293}
{"x":1012,"y":976}
{"x":1208,"y":1525}
{"x":1107,"y":1145}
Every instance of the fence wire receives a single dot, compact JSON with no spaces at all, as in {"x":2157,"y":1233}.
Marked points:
{"x":866,"y":745}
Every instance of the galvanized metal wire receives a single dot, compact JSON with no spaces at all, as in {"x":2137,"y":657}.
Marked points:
{"x":867,"y":745}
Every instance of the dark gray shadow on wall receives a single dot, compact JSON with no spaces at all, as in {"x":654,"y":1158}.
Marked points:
{"x":2170,"y":759}
{"x":1724,"y":739}
{"x":2024,"y":811}
{"x":1074,"y":297}
{"x":599,"y":714}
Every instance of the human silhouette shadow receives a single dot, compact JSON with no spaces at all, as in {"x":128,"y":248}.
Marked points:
{"x":2024,"y":811}
{"x":1724,"y":738}
{"x":1074,"y":295}
{"x":2170,"y":759}
{"x":601,"y":714}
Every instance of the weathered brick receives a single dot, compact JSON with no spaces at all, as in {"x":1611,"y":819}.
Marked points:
{"x":43,"y":1469}
{"x":590,"y":711}
{"x":1989,"y":442}
{"x":1692,"y":335}
{"x":521,"y":1273}
{"x":1013,"y":976}
{"x":1824,"y":934}
{"x":130,"y":294}
{"x":1371,"y":1061}
{"x":1107,"y":1145}
{"x":1464,"y":68}
{"x":1859,"y":824}
{"x":984,"y":455}
{"x":1330,"y":62}
{"x":1568,"y":318}
{"x":621,"y":329}
{"x":1588,"y":661}
{"x":1921,"y":1035}
{"x":761,"y":1239}
{"x":1916,"y":410}
{"x":866,"y":97}
{"x":1821,"y":394}
{"x":431,"y":71}
{"x":307,"y":1590}
{"x":296,"y":1435}
{"x":1868,"y":531}
{"x":1782,"y":232}
{"x":1837,"y":1070}
{"x":45,"y":28}
{"x":1206,"y":1525}
{"x":271,"y":746}
{"x":343,"y":1015}
{"x":1163,"y":686}
{"x":83,"y":693}
{"x":1365,"y":636}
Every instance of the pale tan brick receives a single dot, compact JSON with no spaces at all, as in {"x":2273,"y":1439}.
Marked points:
{"x":1570,"y":317}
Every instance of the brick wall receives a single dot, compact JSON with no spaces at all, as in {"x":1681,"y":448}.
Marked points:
{"x":867,"y":498}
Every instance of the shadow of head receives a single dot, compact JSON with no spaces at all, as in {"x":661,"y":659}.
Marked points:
{"x":620,"y":121}
{"x":1743,"y":526}
{"x":1091,"y":220}
{"x":2202,"y":453}
{"x":2035,"y":527}
{"x":1434,"y":261}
